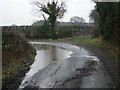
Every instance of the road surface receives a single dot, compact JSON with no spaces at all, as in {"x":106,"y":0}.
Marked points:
{"x":83,"y":69}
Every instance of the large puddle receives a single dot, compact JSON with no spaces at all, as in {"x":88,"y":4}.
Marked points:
{"x":45,"y":54}
{"x":73,"y":67}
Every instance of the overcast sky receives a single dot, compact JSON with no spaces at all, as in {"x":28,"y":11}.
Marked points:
{"x":20,"y":12}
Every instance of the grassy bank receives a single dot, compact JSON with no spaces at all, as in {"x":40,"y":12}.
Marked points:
{"x":13,"y":75}
{"x":111,"y":50}
{"x":17,"y":56}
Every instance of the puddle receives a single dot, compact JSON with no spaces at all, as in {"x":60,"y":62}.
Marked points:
{"x":74,"y":58}
{"x":45,"y":55}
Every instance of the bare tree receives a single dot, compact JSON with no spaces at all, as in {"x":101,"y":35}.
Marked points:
{"x":53,"y":9}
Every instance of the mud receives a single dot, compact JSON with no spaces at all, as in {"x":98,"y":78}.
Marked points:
{"x":86,"y":68}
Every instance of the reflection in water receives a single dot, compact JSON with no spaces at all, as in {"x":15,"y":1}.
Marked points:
{"x":45,"y":55}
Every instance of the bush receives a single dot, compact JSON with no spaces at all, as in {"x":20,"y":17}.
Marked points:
{"x":40,"y":32}
{"x":64,"y":31}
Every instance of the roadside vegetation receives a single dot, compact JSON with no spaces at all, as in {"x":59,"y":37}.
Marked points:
{"x":17,"y":56}
{"x":111,"y":50}
{"x":106,"y":17}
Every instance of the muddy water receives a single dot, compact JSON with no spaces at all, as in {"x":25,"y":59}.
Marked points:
{"x":45,"y":55}
{"x":72,"y":67}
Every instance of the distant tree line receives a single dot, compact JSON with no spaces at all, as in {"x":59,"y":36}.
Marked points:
{"x":39,"y":32}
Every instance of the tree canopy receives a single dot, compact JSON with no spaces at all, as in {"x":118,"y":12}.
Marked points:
{"x":77,"y":19}
{"x":108,"y":20}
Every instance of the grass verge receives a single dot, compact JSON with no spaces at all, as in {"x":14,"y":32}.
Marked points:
{"x":111,"y":50}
